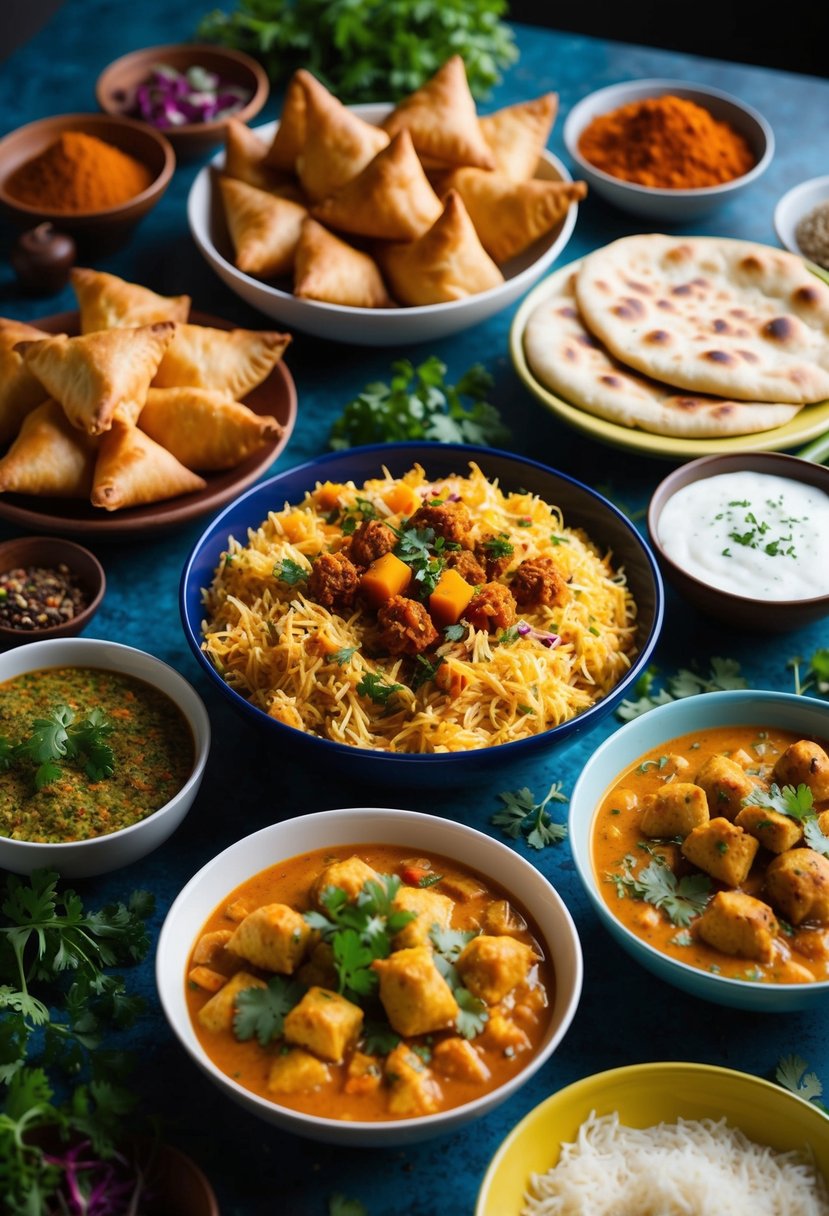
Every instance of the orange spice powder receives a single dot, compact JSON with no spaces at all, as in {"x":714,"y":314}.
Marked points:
{"x":666,"y":142}
{"x":79,"y":173}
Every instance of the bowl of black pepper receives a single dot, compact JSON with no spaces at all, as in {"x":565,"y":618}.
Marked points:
{"x":49,"y":588}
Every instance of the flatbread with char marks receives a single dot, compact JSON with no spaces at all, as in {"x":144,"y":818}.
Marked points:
{"x":572,"y":362}
{"x":711,"y":315}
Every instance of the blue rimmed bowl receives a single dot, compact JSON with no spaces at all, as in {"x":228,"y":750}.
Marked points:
{"x":581,"y":508}
{"x":805,"y":716}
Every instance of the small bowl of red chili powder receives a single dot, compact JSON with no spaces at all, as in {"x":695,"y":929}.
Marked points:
{"x":49,"y":588}
{"x":89,"y":174}
{"x":665,"y":149}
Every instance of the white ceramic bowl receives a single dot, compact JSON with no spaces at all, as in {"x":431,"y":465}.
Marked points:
{"x":363,"y":825}
{"x":100,"y":854}
{"x":794,"y":205}
{"x":673,"y":206}
{"x":806,"y":716}
{"x":369,"y":326}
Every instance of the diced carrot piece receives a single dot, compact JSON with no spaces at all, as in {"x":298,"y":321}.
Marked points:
{"x":292,"y":526}
{"x":401,"y":499}
{"x":448,"y":601}
{"x":327,"y":495}
{"x":385,"y":577}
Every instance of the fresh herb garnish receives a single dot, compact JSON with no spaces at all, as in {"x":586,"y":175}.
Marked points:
{"x":680,"y":899}
{"x":360,"y":931}
{"x":817,"y":673}
{"x":378,"y":1038}
{"x":796,"y":803}
{"x":522,"y":815}
{"x":261,"y":1011}
{"x":290,"y":572}
{"x":792,"y":1073}
{"x":454,"y":633}
{"x":498,"y":546}
{"x":424,"y":553}
{"x":448,"y":944}
{"x":419,"y":404}
{"x":377,"y":688}
{"x":425,"y":670}
{"x":343,"y":655}
{"x":723,"y":674}
{"x":815,"y":837}
{"x":61,"y":737}
{"x":369,"y":50}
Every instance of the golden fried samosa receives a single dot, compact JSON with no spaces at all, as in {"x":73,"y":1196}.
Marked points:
{"x":508,"y":216}
{"x":517,"y":135}
{"x":49,"y":457}
{"x":290,"y":134}
{"x":390,"y":199}
{"x":107,"y":302}
{"x":264,"y":229}
{"x":132,"y":469}
{"x":337,"y":144}
{"x":330,"y":270}
{"x":20,"y":391}
{"x":245,"y":161}
{"x":442,"y":120}
{"x":100,"y":375}
{"x":447,"y":263}
{"x":205,"y":430}
{"x":230,"y":361}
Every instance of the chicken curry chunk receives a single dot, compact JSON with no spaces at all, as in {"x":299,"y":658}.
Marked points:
{"x":739,"y":924}
{"x":414,"y":994}
{"x":273,"y":937}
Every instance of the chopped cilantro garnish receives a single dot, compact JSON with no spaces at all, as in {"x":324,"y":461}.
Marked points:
{"x":680,"y":899}
{"x":290,"y":572}
{"x":343,"y":656}
{"x":377,"y":688}
{"x":523,"y":815}
{"x":260,"y":1012}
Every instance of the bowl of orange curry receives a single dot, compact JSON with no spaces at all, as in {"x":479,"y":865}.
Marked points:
{"x":347,"y":978}
{"x":701,"y":834}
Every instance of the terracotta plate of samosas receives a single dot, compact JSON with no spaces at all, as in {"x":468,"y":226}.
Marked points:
{"x":378,"y":224}
{"x":133,"y":414}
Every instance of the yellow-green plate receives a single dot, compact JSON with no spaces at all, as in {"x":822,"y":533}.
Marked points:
{"x":808,"y":423}
{"x":646,"y":1094}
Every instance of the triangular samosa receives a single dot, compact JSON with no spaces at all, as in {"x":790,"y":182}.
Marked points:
{"x":107,"y":302}
{"x":442,"y":119}
{"x":205,"y":430}
{"x":132,"y":469}
{"x":264,"y":229}
{"x":49,"y":457}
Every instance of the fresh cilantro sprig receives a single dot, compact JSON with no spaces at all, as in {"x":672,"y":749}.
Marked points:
{"x":448,"y":944}
{"x":377,"y":688}
{"x":425,"y":554}
{"x":681,"y":899}
{"x":290,"y":572}
{"x":419,"y":404}
{"x":522,"y":815}
{"x":817,"y":673}
{"x":796,"y":803}
{"x":61,"y":737}
{"x":369,"y":50}
{"x":360,"y":931}
{"x":260,"y":1012}
{"x":722,"y":674}
{"x":792,"y":1073}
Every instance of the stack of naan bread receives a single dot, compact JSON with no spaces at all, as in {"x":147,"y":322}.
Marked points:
{"x":134,"y":408}
{"x":684,"y":336}
{"x":423,"y":209}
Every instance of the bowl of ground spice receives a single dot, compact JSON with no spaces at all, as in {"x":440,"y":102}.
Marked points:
{"x":49,"y":588}
{"x":89,"y":174}
{"x":801,"y":220}
{"x":665,"y":149}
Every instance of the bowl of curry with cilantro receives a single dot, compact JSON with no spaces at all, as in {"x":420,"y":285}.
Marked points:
{"x":102,"y":751}
{"x":700,"y":831}
{"x":346,"y":977}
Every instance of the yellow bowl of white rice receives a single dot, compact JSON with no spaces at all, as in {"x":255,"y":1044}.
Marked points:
{"x":652,"y":1139}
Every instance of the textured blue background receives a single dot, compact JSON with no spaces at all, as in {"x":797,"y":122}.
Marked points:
{"x":625,"y":1014}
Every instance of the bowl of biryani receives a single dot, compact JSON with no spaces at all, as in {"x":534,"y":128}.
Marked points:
{"x":421,"y":611}
{"x":667,"y":1136}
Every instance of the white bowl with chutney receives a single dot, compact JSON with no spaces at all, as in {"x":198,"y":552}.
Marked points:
{"x":223,"y":885}
{"x":174,"y":710}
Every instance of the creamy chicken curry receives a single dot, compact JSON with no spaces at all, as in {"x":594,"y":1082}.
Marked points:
{"x":368,"y":983}
{"x":714,"y":849}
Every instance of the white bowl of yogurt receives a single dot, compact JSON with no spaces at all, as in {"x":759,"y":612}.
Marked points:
{"x":745,"y":538}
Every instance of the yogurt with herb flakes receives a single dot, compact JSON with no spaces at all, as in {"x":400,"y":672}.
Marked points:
{"x":752,"y":534}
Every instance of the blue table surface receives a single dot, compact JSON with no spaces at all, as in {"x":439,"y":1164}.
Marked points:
{"x":625,"y":1015}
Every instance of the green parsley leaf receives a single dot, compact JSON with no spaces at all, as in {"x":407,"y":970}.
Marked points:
{"x":815,"y":838}
{"x":680,"y":899}
{"x":792,"y":1074}
{"x":796,"y":803}
{"x":343,"y":656}
{"x":472,"y":1014}
{"x":723,"y":674}
{"x":499,"y":546}
{"x":521,"y":814}
{"x":425,"y":670}
{"x":377,"y":688}
{"x":290,"y":572}
{"x":419,"y":404}
{"x":378,"y":1038}
{"x":260,"y":1012}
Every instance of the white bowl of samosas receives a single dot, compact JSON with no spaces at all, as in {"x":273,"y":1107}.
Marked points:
{"x":375,"y":224}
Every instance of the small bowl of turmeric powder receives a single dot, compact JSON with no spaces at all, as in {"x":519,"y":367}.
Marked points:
{"x":89,"y":174}
{"x":665,"y":149}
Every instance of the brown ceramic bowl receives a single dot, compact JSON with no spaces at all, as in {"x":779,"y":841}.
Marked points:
{"x":112,"y":225}
{"x":768,"y":616}
{"x":116,"y":86}
{"x":49,"y":552}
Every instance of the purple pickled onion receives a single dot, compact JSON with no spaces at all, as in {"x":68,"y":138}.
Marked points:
{"x":543,"y":636}
{"x":170,"y":99}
